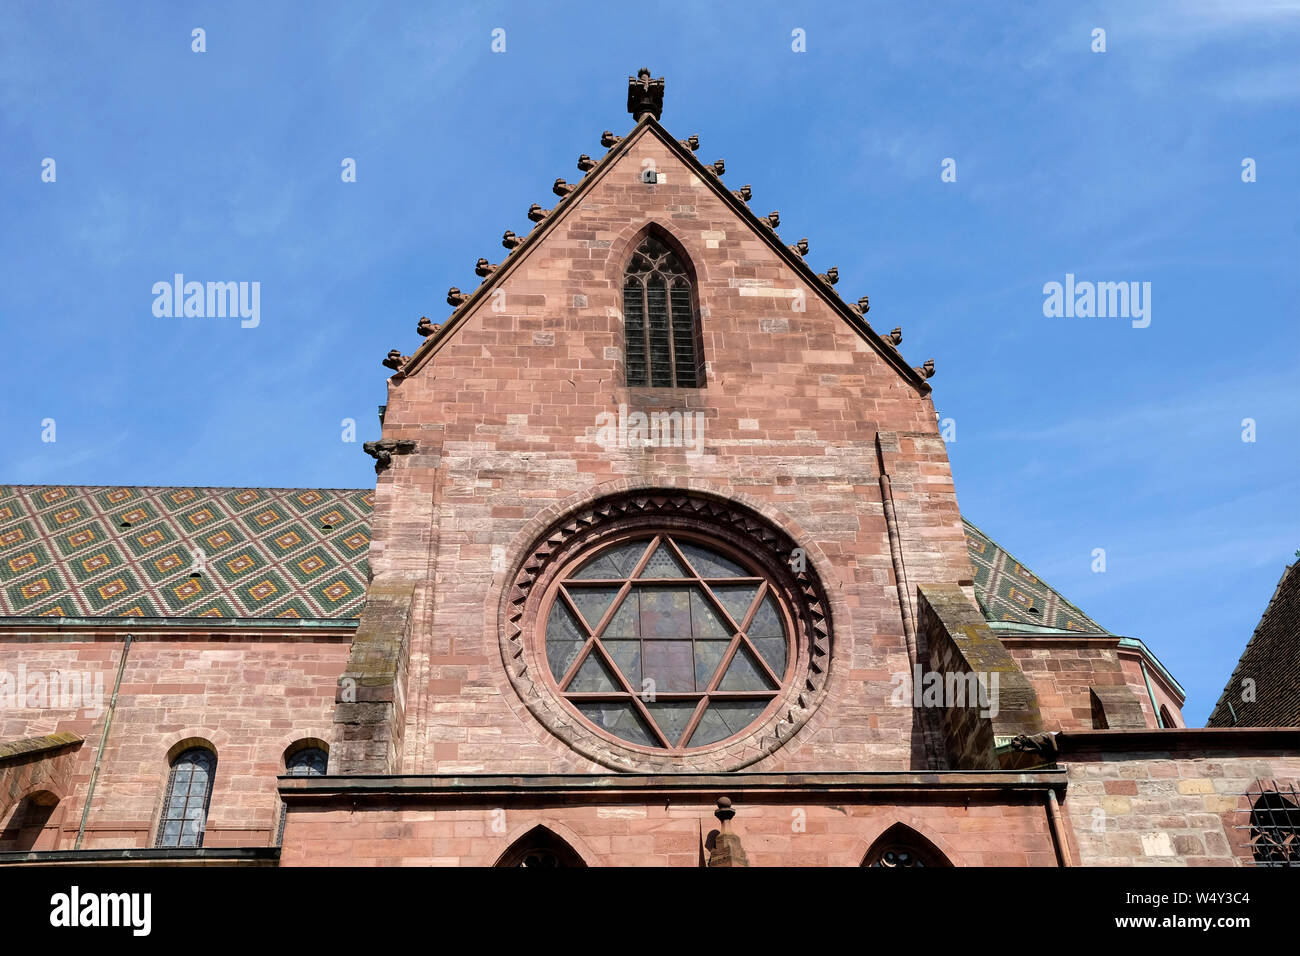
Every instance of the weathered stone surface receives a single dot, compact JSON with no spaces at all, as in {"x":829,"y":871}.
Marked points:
{"x":960,"y":642}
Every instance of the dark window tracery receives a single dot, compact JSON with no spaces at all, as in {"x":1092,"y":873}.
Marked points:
{"x":308,"y":762}
{"x":902,"y":848}
{"x":663,"y":347}
{"x":667,"y":643}
{"x":540,"y":848}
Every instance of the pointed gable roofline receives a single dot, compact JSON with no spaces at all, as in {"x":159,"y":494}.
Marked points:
{"x":649,"y":125}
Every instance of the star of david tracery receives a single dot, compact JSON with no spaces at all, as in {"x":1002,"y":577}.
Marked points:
{"x":667,"y":643}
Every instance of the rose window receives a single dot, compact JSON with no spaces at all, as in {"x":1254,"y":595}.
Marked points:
{"x":667,"y":642}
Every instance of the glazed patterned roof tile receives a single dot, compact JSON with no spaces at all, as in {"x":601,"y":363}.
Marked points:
{"x":1009,"y":592}
{"x":183,"y":552}
{"x":264,"y":553}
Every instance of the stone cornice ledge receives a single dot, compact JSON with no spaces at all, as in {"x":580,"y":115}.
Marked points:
{"x":31,"y":746}
{"x":1244,"y":740}
{"x":706,"y":787}
{"x":149,"y":856}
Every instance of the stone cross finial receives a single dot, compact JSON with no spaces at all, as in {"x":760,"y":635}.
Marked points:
{"x":645,"y":96}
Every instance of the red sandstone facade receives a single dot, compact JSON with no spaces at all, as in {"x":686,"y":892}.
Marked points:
{"x":448,"y":740}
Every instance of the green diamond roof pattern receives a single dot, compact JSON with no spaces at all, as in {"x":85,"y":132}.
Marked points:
{"x":132,"y":551}
{"x":101,"y":551}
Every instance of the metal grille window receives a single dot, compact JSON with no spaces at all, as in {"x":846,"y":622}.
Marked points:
{"x":664,"y":348}
{"x":189,"y":789}
{"x":1274,"y":824}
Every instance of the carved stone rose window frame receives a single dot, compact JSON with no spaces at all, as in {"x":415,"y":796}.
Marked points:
{"x":736,"y":528}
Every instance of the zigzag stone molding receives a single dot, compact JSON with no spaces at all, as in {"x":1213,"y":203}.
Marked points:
{"x":667,"y":511}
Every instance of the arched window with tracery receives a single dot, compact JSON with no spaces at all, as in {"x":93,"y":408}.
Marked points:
{"x":541,"y":849}
{"x":902,"y":848}
{"x":663,"y":345}
{"x":189,"y":790}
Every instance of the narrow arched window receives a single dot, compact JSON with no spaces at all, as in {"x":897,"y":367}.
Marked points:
{"x":308,"y":762}
{"x":663,"y":343}
{"x":189,"y":789}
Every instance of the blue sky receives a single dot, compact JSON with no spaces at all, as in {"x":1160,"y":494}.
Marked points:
{"x":1072,"y":434}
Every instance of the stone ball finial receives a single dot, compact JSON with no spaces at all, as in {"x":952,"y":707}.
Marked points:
{"x":725,"y":812}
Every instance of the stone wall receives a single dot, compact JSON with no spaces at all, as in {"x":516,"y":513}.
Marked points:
{"x":973,"y":821}
{"x":504,"y":407}
{"x":249,"y":695}
{"x":1168,"y":798}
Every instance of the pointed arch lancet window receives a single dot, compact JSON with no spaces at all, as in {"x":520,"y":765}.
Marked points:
{"x":541,"y":848}
{"x":662,"y":334}
{"x":902,"y":848}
